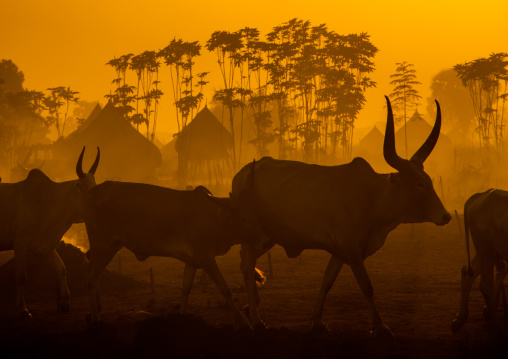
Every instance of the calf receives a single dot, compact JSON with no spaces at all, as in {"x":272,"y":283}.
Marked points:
{"x":191,"y":226}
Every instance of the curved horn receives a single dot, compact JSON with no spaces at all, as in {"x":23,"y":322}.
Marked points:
{"x":389,"y":151}
{"x":27,"y":157}
{"x":20,"y":166}
{"x":79,"y":165}
{"x":96,"y":162}
{"x":427,"y":147}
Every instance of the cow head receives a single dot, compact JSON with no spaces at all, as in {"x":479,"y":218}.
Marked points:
{"x":86,"y":180}
{"x":20,"y":172}
{"x":413,"y":187}
{"x":236,"y":226}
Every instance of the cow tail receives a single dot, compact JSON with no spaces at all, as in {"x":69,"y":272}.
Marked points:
{"x":88,"y":256}
{"x":466,"y":229}
{"x":259,"y":276}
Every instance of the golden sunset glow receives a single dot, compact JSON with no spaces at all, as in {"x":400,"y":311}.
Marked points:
{"x":67,"y":43}
{"x":263,"y":179}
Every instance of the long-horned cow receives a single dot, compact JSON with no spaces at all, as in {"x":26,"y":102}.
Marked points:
{"x":191,"y":226}
{"x":486,"y":218}
{"x":347,"y":210}
{"x":36,"y":213}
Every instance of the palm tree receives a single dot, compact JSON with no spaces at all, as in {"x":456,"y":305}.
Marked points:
{"x":404,"y":94}
{"x":227,"y":46}
{"x":484,"y":78}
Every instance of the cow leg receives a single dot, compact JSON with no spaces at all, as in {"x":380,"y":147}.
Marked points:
{"x":20,"y":261}
{"x":466,"y":283}
{"x":498,"y":284}
{"x":55,"y":262}
{"x":487,"y":289}
{"x":188,"y":279}
{"x":331,"y":273}
{"x":248,"y":267}
{"x":99,"y":259}
{"x":362,"y":277}
{"x":213,"y":271}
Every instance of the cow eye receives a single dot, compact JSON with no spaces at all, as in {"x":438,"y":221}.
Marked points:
{"x":420,"y":185}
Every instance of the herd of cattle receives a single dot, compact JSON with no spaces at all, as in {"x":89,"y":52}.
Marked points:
{"x":346,"y":210}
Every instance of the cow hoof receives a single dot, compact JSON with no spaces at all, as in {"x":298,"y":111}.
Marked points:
{"x":25,"y":315}
{"x":319,"y":329}
{"x":457,"y":324}
{"x":260,"y":326}
{"x":382,"y":333}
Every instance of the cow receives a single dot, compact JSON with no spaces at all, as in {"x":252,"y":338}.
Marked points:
{"x":35,"y":213}
{"x":189,"y":225}
{"x":347,"y":210}
{"x":21,"y":170}
{"x":486,"y":219}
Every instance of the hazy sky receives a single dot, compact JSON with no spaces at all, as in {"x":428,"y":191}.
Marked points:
{"x":67,"y":43}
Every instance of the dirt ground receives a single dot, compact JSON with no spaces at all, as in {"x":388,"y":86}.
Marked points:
{"x":416,"y":279}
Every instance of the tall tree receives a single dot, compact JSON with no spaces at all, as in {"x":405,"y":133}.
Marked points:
{"x":11,"y":78}
{"x":58,"y":97}
{"x":454,"y":100}
{"x":179,"y":56}
{"x":487,"y":79}
{"x":227,"y":46}
{"x":404,"y":95}
{"x":123,"y":96}
{"x":254,"y":59}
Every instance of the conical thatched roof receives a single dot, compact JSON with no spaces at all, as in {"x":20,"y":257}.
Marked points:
{"x":418,"y":129}
{"x":205,"y":138}
{"x":372,"y":141}
{"x":125,"y":153}
{"x":93,"y":115}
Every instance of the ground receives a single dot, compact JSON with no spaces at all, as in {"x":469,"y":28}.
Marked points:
{"x":416,"y":279}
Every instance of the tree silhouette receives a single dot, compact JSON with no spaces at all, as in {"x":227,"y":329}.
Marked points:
{"x":11,"y":78}
{"x":453,"y":98}
{"x":486,"y":79}
{"x":58,"y":97}
{"x":123,"y":95}
{"x":404,"y":95}
{"x":227,"y":47}
{"x":68,"y":96}
{"x":179,"y":57}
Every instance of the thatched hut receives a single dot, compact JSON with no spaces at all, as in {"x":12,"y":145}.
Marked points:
{"x":125,"y":153}
{"x":371,"y":143}
{"x":418,"y":130}
{"x":203,"y":150}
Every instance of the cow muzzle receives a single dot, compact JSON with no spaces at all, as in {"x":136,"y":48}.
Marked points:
{"x":445,"y":219}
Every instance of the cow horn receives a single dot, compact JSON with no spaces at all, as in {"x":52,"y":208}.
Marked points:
{"x":251,"y":174}
{"x":389,"y":151}
{"x":20,"y":166}
{"x":79,"y":165}
{"x":96,"y":162}
{"x":427,"y":147}
{"x":27,"y":157}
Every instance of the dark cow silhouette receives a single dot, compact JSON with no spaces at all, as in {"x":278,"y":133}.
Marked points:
{"x":347,"y":210}
{"x":486,"y":218}
{"x":35,"y":213}
{"x":189,"y":225}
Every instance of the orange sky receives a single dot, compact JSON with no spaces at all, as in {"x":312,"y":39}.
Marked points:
{"x":67,"y":43}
